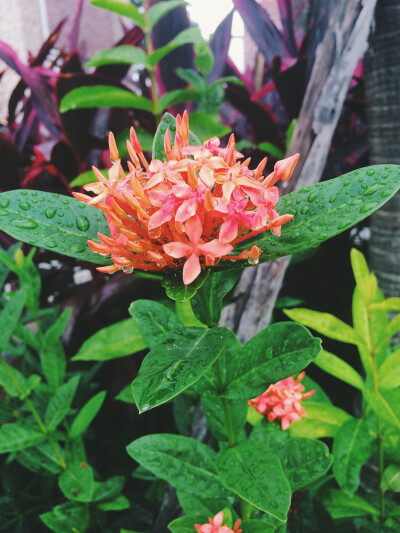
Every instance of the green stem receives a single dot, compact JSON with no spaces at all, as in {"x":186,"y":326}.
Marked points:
{"x":154,"y":90}
{"x":35,"y":414}
{"x":225,"y":406}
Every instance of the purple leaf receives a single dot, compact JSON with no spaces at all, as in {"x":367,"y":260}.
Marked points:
{"x":219,"y":45}
{"x":286,"y":9}
{"x":262,"y":30}
{"x":74,"y":34}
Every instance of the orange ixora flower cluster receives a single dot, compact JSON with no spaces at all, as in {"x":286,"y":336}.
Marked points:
{"x":215,"y":525}
{"x":282,"y":401}
{"x":189,"y":211}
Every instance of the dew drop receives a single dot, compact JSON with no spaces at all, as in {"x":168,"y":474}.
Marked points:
{"x":371,"y":190}
{"x":78,"y":248}
{"x":384,"y":175}
{"x":368,"y":207}
{"x":82,"y":223}
{"x":70,"y":224}
{"x":35,"y":201}
{"x":127,"y":269}
{"x":305,"y":209}
{"x":4,"y":202}
{"x":3,"y":212}
{"x":370,"y":172}
{"x":65,"y":202}
{"x":24,"y":192}
{"x":332,"y":198}
{"x":50,"y":212}
{"x":24,"y":223}
{"x":356,"y":172}
{"x":24,"y":205}
{"x":252,"y":261}
{"x":347,"y":181}
{"x":385,"y":194}
{"x":342,"y":226}
{"x":312,"y":196}
{"x":356,"y":201}
{"x":34,"y":193}
{"x":51,"y":244}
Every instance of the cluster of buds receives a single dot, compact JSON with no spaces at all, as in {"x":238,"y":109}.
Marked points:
{"x":282,"y":401}
{"x":215,"y":525}
{"x":189,"y":211}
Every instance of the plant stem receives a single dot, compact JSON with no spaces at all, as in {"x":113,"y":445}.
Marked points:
{"x":154,"y":91}
{"x":35,"y":414}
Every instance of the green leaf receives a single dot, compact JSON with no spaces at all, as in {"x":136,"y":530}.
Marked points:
{"x":177,"y":97}
{"x":323,"y":210}
{"x":87,"y":177}
{"x":272,"y":149}
{"x":322,"y":420}
{"x":118,"y":340}
{"x":216,"y":287}
{"x":77,"y":482}
{"x":168,"y":123}
{"x":204,"y":58}
{"x":275,"y":353}
{"x":193,"y":78}
{"x":213,"y":409}
{"x":388,"y":305}
{"x":335,"y":366}
{"x":108,"y":489}
{"x":9,"y":317}
{"x":205,"y":127}
{"x":125,"y":395}
{"x":183,"y":462}
{"x":14,"y":437}
{"x":189,"y":35}
{"x":393,"y":327}
{"x":124,"y":54}
{"x":86,"y":415}
{"x":177,"y":362}
{"x":340,"y":505}
{"x":255,"y":474}
{"x":119,"y":503}
{"x":15,"y":383}
{"x":389,"y":371}
{"x":324,"y":323}
{"x":185,"y":524}
{"x":193,"y":505}
{"x":385,"y":404}
{"x":54,"y":222}
{"x":361,"y":273}
{"x":303,"y":460}
{"x":257,"y":526}
{"x":41,"y":458}
{"x":126,"y":9}
{"x":154,"y":320}
{"x":67,"y":517}
{"x":175,"y":288}
{"x":352,"y":447}
{"x":391,"y":478}
{"x":159,"y":10}
{"x":103,"y":96}
{"x":52,"y":356}
{"x":185,"y":314}
{"x":60,"y":403}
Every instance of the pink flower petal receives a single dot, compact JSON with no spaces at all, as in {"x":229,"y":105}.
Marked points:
{"x":215,"y":248}
{"x":194,"y":229}
{"x":186,"y":210}
{"x":160,"y":217}
{"x":177,"y":249}
{"x":229,"y":229}
{"x":191,"y":269}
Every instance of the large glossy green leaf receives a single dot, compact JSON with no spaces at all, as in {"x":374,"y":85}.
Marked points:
{"x":177,"y":97}
{"x":303,"y":460}
{"x":385,"y":404}
{"x":131,"y":55}
{"x":389,"y":371}
{"x":340,"y":505}
{"x":126,"y":9}
{"x":255,"y":473}
{"x":14,"y":437}
{"x":60,"y":403}
{"x":118,"y":340}
{"x":322,"y":420}
{"x":183,"y":462}
{"x":391,"y":478}
{"x":177,"y":362}
{"x":86,"y":415}
{"x":103,"y":96}
{"x":192,"y":504}
{"x":159,"y":10}
{"x":335,"y":366}
{"x":213,"y":410}
{"x":154,"y":320}
{"x":275,"y":353}
{"x":175,"y":288}
{"x":168,"y":123}
{"x":324,"y":323}
{"x":58,"y":223}
{"x":325,"y":209}
{"x":352,"y":447}
{"x":214,"y":289}
{"x":77,"y":482}
{"x":206,"y":127}
{"x":189,"y":35}
{"x":67,"y":517}
{"x":108,"y":489}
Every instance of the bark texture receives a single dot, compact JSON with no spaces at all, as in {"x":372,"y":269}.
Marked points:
{"x":382,"y":84}
{"x":336,"y":57}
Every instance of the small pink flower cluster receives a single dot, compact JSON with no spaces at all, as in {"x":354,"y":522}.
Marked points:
{"x":215,"y":525}
{"x":189,"y":211}
{"x":282,"y":401}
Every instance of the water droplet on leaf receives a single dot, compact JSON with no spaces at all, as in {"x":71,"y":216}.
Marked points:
{"x":50,"y":212}
{"x":305,"y":209}
{"x":24,"y":205}
{"x":24,"y":223}
{"x":82,"y":223}
{"x":4,"y":202}
{"x":312,"y":196}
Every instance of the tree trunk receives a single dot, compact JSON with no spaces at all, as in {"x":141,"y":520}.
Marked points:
{"x":382,"y":84}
